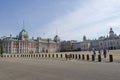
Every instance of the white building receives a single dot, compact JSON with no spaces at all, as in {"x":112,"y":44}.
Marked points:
{"x":22,"y":44}
{"x":109,"y":42}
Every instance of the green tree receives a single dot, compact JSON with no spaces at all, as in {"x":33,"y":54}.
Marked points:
{"x":1,"y":48}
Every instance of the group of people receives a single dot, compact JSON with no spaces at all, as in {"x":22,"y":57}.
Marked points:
{"x":104,"y":52}
{"x":68,"y":56}
{"x":100,"y":52}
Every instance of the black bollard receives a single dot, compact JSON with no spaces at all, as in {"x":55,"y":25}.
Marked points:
{"x":46,"y":55}
{"x":79,"y":56}
{"x":99,"y":58}
{"x":49,"y":55}
{"x":42,"y":55}
{"x":39,"y":55}
{"x":61,"y":55}
{"x":73,"y":56}
{"x":56,"y":55}
{"x":87,"y":57}
{"x":111,"y":58}
{"x":52,"y":55}
{"x":76,"y":56}
{"x":93,"y":58}
{"x":83,"y":57}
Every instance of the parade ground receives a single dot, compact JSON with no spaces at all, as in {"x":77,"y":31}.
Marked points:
{"x":55,"y":69}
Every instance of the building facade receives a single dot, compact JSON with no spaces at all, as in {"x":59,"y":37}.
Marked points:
{"x":112,"y":41}
{"x":66,"y":46}
{"x":22,"y":44}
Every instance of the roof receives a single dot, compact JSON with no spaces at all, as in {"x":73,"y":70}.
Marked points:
{"x":23,"y":32}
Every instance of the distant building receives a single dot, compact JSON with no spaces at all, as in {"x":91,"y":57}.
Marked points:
{"x":66,"y":46}
{"x":76,"y":46}
{"x":110,"y":42}
{"x":22,"y":44}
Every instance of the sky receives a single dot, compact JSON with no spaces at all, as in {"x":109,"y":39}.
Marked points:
{"x":70,"y":19}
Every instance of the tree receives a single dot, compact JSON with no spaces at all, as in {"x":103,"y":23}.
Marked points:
{"x":1,"y":48}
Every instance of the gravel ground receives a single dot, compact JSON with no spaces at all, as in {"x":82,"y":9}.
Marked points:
{"x":50,"y":69}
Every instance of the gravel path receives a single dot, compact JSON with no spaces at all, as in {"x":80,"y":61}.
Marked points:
{"x":48,"y":69}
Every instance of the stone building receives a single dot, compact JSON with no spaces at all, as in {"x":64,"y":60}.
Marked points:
{"x":67,"y":45}
{"x":112,"y":41}
{"x":22,"y":44}
{"x":109,"y":42}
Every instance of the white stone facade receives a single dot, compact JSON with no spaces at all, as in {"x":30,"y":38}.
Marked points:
{"x":23,"y":44}
{"x":110,"y":42}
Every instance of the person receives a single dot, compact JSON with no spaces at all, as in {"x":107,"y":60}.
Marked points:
{"x":99,"y":51}
{"x":70,"y":56}
{"x":94,"y":53}
{"x":105,"y":53}
{"x":66,"y":56}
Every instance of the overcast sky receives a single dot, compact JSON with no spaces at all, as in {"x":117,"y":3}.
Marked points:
{"x":70,"y":19}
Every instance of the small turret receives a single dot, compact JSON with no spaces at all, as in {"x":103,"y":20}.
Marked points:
{"x":111,"y":33}
{"x":84,"y":38}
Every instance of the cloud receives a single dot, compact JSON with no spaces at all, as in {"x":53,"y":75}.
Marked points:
{"x":90,"y":19}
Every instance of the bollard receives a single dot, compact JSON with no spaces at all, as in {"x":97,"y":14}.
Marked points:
{"x":111,"y":58}
{"x":99,"y":58}
{"x":87,"y":57}
{"x":76,"y":56}
{"x":79,"y":56}
{"x":42,"y":55}
{"x":93,"y":58}
{"x":52,"y":55}
{"x":49,"y":55}
{"x":73,"y":56}
{"x":45,"y":55}
{"x":56,"y":55}
{"x":61,"y":55}
{"x":37,"y":55}
{"x":83,"y":57}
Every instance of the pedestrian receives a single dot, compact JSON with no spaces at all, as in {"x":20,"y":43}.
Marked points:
{"x":105,"y":53}
{"x":99,"y":51}
{"x":94,"y":53}
{"x":66,"y":56}
{"x":70,"y":56}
